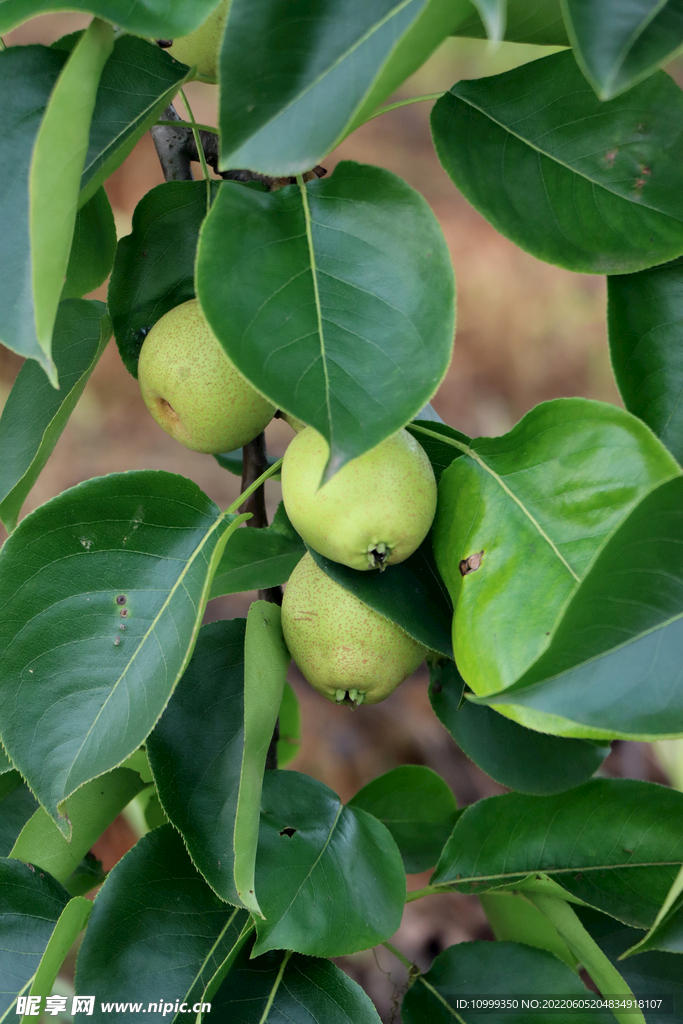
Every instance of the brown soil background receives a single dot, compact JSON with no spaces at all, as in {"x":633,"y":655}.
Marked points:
{"x":527,"y":332}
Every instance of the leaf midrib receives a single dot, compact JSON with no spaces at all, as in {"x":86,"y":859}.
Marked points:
{"x":522,"y":873}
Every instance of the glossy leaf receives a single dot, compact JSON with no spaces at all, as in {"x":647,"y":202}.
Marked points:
{"x":258,"y":559}
{"x":72,"y":921}
{"x":144,"y":17}
{"x":17,"y":805}
{"x":131,"y":550}
{"x":522,"y":759}
{"x":320,"y":295}
{"x":35,"y":413}
{"x":619,"y":44}
{"x":490,"y":970}
{"x":280,"y":69}
{"x":307,"y":991}
{"x":266,"y":660}
{"x":311,"y":900}
{"x":54,"y":178}
{"x":155,"y":901}
{"x":527,"y":21}
{"x":139,"y":80}
{"x":666,"y":933}
{"x":90,"y":811}
{"x":614,"y":844}
{"x":31,"y":904}
{"x":535,"y":506}
{"x":645,"y":315}
{"x":593,"y":187}
{"x":417,"y":807}
{"x":289,"y":725}
{"x":88,"y":874}
{"x":196,"y":752}
{"x":154,"y":265}
{"x":613,"y":666}
{"x":92,"y":249}
{"x":412,"y":594}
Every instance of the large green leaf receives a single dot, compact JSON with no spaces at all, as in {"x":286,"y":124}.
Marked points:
{"x":290,"y":988}
{"x":527,"y":21}
{"x":31,"y":904}
{"x":618,"y":44}
{"x":35,"y":413}
{"x":258,"y":559}
{"x":92,"y":249}
{"x":535,"y":506}
{"x":613,"y":666}
{"x":154,"y":265}
{"x":594,"y":187}
{"x":90,"y":811}
{"x":54,"y":178}
{"x":282,"y":68}
{"x":522,"y":759}
{"x":496,"y":969}
{"x":17,"y":805}
{"x":417,"y":807}
{"x":614,"y":844}
{"x":321,"y":294}
{"x":645,"y":315}
{"x":412,"y":594}
{"x":102,"y":592}
{"x":144,"y":17}
{"x":329,"y":878}
{"x":157,"y":932}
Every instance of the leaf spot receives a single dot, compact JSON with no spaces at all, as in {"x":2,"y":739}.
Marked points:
{"x":471,"y":564}
{"x":121,"y":599}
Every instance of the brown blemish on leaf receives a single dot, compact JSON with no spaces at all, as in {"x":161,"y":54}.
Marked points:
{"x":471,"y":564}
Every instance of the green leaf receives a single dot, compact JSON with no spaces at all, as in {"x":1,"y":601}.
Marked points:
{"x":35,"y":413}
{"x":528,"y":21}
{"x":535,"y":506}
{"x":513,"y":918}
{"x":614,"y":844}
{"x":441,"y":453}
{"x":17,"y":805}
{"x":488,"y":970}
{"x":522,"y":759}
{"x":593,"y":187}
{"x":329,"y":878}
{"x":88,"y":874}
{"x":90,"y":811}
{"x":138,"y":82}
{"x":92,"y":249}
{"x":493,"y":14}
{"x":157,"y":931}
{"x":645,"y":314}
{"x":144,"y":17}
{"x":154,"y":265}
{"x":613,"y":666}
{"x":619,"y":44}
{"x":55,"y":176}
{"x":266,"y":660}
{"x":280,"y":70}
{"x":131,"y":550}
{"x":320,"y":295}
{"x":666,"y":933}
{"x":289,"y":722}
{"x":71,"y":923}
{"x":31,"y":904}
{"x":258,"y":559}
{"x":411,"y":594}
{"x":417,"y":807}
{"x":196,"y":752}
{"x":232,"y":462}
{"x":303,"y":991}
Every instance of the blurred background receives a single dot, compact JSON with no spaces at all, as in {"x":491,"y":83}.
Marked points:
{"x":526,"y":332}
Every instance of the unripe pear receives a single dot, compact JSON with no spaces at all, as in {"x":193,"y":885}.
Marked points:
{"x":346,"y":650}
{"x":202,"y":47}
{"x":374,"y":512}
{"x":193,"y":390}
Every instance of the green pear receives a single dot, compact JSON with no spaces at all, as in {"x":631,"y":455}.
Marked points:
{"x":346,"y":650}
{"x":374,"y":512}
{"x":202,"y":47}
{"x":192,"y":388}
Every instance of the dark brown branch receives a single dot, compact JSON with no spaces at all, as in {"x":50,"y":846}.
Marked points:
{"x":171,"y":146}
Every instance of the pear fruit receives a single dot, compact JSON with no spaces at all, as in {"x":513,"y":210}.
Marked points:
{"x":346,"y":650}
{"x":193,"y":390}
{"x":202,"y":47}
{"x":374,"y":512}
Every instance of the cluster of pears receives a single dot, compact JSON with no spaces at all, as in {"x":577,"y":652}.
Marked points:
{"x":374,"y":512}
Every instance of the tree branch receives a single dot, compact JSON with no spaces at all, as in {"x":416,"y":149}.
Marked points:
{"x":171,"y":145}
